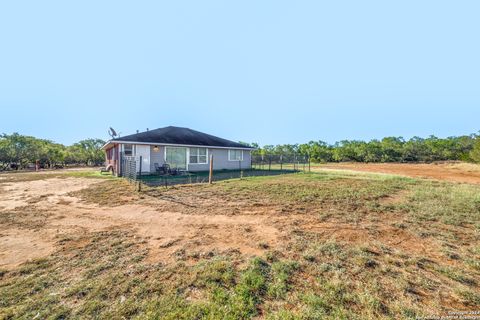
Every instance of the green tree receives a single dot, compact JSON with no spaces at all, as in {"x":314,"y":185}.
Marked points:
{"x":88,"y":152}
{"x":318,"y":151}
{"x":475,"y":153}
{"x":21,"y":151}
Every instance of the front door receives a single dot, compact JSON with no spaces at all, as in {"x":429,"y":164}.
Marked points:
{"x":176,"y":157}
{"x":144,"y":152}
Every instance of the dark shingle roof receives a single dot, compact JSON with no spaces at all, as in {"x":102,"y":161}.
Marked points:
{"x":181,"y":136}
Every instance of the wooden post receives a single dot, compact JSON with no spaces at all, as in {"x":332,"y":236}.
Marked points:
{"x":37,"y":165}
{"x":140,"y":175}
{"x":210,"y":174}
{"x":139,"y":168}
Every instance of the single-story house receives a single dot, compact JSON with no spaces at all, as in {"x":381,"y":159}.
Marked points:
{"x":181,"y":148}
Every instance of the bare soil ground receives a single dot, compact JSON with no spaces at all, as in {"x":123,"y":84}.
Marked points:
{"x":455,"y":172}
{"x":165,"y":230}
{"x":331,"y":245}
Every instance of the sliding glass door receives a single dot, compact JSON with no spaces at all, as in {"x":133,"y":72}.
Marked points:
{"x":176,"y":157}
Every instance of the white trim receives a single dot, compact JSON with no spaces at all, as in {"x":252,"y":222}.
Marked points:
{"x":175,"y":145}
{"x":229,"y":159}
{"x":198,"y":156}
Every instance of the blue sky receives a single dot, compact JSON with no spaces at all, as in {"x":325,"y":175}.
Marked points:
{"x":265,"y":71}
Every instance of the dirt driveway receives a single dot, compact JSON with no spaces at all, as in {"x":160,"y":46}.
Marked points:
{"x":455,"y":172}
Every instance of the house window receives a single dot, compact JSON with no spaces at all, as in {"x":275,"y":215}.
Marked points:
{"x":235,"y":155}
{"x":128,"y":149}
{"x":198,"y":155}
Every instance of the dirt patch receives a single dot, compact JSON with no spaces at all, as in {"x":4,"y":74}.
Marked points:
{"x":19,"y":245}
{"x":395,"y":198}
{"x":19,"y":194}
{"x":455,"y":172}
{"x":166,"y":232}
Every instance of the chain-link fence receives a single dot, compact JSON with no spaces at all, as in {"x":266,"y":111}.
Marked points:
{"x":291,"y":161}
{"x":128,"y":168}
{"x":203,"y":177}
{"x":261,"y":165}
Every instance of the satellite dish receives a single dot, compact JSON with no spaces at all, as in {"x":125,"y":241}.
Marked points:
{"x":112,"y":133}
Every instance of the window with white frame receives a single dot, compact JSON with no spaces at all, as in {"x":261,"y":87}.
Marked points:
{"x":198,"y":155}
{"x":235,"y":155}
{"x":128,"y":149}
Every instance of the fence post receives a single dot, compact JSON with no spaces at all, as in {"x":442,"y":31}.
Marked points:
{"x":240,"y":168}
{"x":140,"y":167}
{"x":281,"y":162}
{"x":210,"y":174}
{"x":120,"y":164}
{"x":139,"y":177}
{"x":309,"y":164}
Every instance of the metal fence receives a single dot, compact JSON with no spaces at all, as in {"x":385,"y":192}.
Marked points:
{"x":203,"y":177}
{"x":261,"y":165}
{"x":128,"y":168}
{"x":291,"y":161}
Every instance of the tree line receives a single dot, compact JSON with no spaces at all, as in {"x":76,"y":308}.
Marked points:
{"x":19,"y":151}
{"x":389,"y":149}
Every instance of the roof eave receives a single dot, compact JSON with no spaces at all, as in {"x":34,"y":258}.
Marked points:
{"x":109,"y":142}
{"x":175,"y":144}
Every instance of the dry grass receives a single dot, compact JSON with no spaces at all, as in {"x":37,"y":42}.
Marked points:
{"x":110,"y":193}
{"x":442,"y":171}
{"x":350,"y":246}
{"x":465,"y":167}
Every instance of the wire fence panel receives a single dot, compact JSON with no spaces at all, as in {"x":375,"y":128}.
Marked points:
{"x":129,"y":168}
{"x":261,"y":165}
{"x":290,"y":161}
{"x":202,"y":177}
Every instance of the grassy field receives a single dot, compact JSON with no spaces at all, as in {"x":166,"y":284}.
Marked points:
{"x":323,"y":245}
